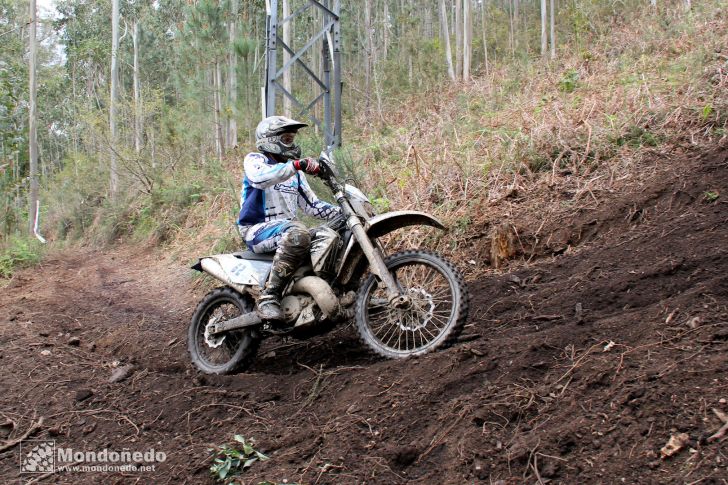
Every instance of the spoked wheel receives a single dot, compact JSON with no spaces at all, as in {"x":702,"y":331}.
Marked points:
{"x":227,"y":353}
{"x":435,"y":315}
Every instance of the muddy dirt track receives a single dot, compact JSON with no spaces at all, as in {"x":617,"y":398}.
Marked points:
{"x":575,"y":368}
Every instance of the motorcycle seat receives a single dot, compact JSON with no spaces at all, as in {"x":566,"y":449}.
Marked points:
{"x":250,"y":255}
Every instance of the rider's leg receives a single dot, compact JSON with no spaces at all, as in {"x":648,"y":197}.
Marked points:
{"x":291,"y":241}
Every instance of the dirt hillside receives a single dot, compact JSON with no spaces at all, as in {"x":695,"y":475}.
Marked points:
{"x":577,"y":367}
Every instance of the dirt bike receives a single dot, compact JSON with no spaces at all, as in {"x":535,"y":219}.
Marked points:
{"x":404,"y":304}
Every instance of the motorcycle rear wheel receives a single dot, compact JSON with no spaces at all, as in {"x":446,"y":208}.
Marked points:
{"x":436,"y":315}
{"x":232,"y":352}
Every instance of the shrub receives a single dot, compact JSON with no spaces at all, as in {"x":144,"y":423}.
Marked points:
{"x":230,"y":460}
{"x":19,"y":252}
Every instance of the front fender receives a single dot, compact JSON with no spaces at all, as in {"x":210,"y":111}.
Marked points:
{"x":383,"y":224}
{"x":379,"y":226}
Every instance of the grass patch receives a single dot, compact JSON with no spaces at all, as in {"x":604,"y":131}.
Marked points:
{"x":19,"y":252}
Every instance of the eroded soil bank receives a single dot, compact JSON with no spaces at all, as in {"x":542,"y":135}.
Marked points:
{"x":575,"y":368}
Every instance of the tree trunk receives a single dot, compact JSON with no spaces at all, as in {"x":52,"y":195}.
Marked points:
{"x":544,"y":37}
{"x":553,"y":31}
{"x":114,"y":174}
{"x":467,"y":39}
{"x":287,"y":107}
{"x":154,"y":149}
{"x":485,"y":37}
{"x":233,"y":78}
{"x":368,"y":52}
{"x":511,"y":35}
{"x":410,"y":71}
{"x":32,"y":129}
{"x":516,"y":16}
{"x":138,"y":120}
{"x":74,"y":130}
{"x":458,"y":38}
{"x":428,"y":28}
{"x":446,"y":36}
{"x":216,"y":82}
{"x":385,"y":31}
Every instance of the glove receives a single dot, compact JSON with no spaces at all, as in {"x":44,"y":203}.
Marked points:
{"x":308,"y":165}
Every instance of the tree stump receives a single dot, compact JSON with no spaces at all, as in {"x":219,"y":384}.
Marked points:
{"x":502,"y":244}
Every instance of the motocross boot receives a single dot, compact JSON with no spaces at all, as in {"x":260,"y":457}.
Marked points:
{"x":291,"y":250}
{"x":269,"y":301}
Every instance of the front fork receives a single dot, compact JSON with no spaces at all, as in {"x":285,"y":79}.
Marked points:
{"x":374,"y":256}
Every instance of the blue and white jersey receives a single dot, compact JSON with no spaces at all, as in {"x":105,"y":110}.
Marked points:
{"x":273,"y":191}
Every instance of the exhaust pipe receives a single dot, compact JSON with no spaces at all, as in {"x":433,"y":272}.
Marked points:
{"x":321,"y":293}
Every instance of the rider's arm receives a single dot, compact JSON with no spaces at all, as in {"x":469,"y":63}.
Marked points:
{"x":262,"y":175}
{"x":312,"y":205}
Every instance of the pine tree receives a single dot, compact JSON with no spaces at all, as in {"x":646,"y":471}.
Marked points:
{"x":114,"y":169}
{"x":33,"y":122}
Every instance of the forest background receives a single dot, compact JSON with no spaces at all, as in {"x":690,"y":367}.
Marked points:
{"x":449,"y":107}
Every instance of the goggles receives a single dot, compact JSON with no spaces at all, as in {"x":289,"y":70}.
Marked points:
{"x":287,"y":138}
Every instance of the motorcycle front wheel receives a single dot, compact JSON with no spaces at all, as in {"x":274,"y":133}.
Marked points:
{"x":230,"y":352}
{"x":436,"y":313}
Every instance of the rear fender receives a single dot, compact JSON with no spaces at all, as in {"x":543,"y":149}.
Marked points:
{"x":235,"y":271}
{"x":379,"y":226}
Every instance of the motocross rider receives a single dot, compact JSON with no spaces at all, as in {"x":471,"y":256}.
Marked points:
{"x":274,"y":186}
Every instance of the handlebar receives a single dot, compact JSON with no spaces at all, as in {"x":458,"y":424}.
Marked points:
{"x":330,"y":176}
{"x":327,"y":173}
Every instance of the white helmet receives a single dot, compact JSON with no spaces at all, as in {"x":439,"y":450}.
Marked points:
{"x":268,"y":136}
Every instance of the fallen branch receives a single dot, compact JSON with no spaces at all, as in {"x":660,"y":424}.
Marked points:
{"x":578,"y":362}
{"x":720,"y":434}
{"x":548,"y":317}
{"x":534,"y":466}
{"x":33,"y":428}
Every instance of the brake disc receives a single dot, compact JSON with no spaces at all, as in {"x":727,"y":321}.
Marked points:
{"x":212,"y":340}
{"x":422,"y":307}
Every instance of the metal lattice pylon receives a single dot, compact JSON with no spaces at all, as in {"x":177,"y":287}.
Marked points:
{"x":327,"y":36}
